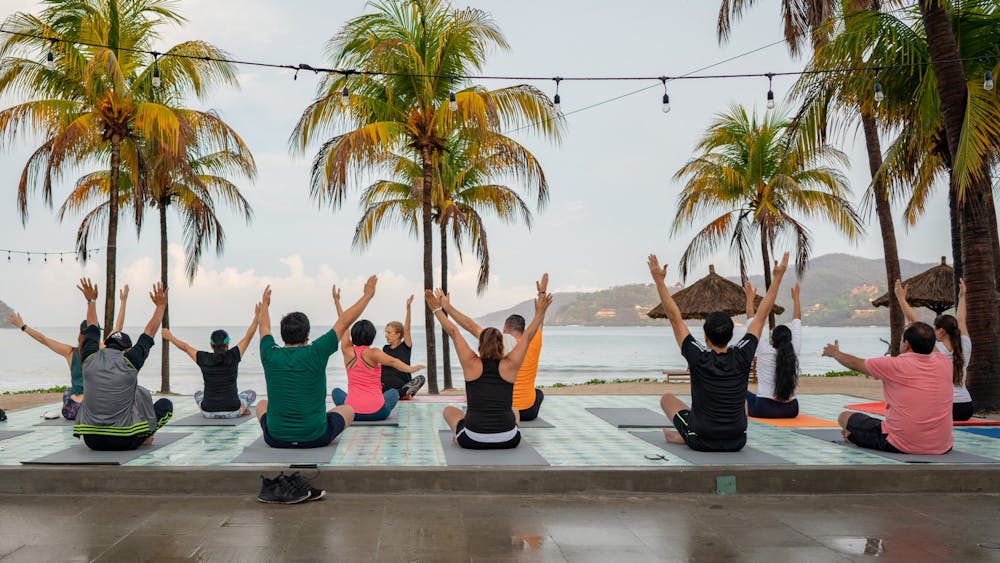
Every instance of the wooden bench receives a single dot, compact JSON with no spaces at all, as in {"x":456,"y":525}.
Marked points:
{"x":684,"y":376}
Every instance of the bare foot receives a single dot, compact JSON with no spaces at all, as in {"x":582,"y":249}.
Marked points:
{"x":454,"y":440}
{"x":148,"y":442}
{"x":672,"y":436}
{"x":845,"y":434}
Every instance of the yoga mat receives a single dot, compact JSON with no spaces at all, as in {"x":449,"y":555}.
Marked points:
{"x":259,"y":452}
{"x":523,"y":454}
{"x":198,"y":420}
{"x":436,"y":399}
{"x":631,"y":418}
{"x":950,"y":457}
{"x":879,"y":409}
{"x":80,"y":454}
{"x":991,"y":432}
{"x":393,"y":420}
{"x":746,"y":456}
{"x":56,"y":422}
{"x":801,"y":421}
{"x":4,"y":434}
{"x":539,"y":422}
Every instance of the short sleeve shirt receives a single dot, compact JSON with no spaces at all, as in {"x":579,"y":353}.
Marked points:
{"x":219,"y":375}
{"x":767,"y":360}
{"x":718,"y":387}
{"x":918,"y":392}
{"x":959,"y":392}
{"x":296,"y":387}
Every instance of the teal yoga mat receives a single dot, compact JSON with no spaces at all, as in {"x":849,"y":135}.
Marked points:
{"x":80,"y":454}
{"x":834,"y":436}
{"x":746,"y":456}
{"x":523,"y":454}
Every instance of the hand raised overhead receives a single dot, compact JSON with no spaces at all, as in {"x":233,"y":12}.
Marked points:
{"x":779,"y":268}
{"x":369,"y":291}
{"x":748,"y":290}
{"x":659,"y":274}
{"x":542,"y":302}
{"x":795,"y":291}
{"x":409,"y":300}
{"x":432,"y":300}
{"x":158,"y":295}
{"x":542,"y":286}
{"x":265,"y":300}
{"x":88,"y":288}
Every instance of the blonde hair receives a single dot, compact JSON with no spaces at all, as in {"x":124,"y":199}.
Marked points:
{"x":396,"y":326}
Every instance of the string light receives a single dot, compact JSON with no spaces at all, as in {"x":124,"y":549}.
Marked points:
{"x":770,"y":90}
{"x":988,"y":81}
{"x":666,"y":96}
{"x":91,"y":252}
{"x":50,"y":59}
{"x":156,"y":71}
{"x":345,"y":98}
{"x":879,"y":94}
{"x":556,"y":100}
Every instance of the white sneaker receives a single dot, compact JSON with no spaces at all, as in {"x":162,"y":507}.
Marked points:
{"x":50,"y":415}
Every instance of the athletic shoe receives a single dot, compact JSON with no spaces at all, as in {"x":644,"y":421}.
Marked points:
{"x":410,"y":388}
{"x":301,"y":483}
{"x":3,"y":416}
{"x":280,"y":490}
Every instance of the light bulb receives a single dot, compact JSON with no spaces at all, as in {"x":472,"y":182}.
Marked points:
{"x":988,"y":81}
{"x":770,"y":99}
{"x":50,"y":60}
{"x":452,"y":102}
{"x":345,"y":98}
{"x":879,"y":94}
{"x":156,"y":76}
{"x":666,"y":103}
{"x":557,"y":102}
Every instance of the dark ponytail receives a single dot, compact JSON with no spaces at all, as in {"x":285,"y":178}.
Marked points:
{"x":786,"y":368}
{"x":220,"y":343}
{"x":949,"y":325}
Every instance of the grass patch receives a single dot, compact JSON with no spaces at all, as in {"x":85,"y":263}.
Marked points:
{"x":56,"y":389}
{"x":605,"y":382}
{"x":843,"y":373}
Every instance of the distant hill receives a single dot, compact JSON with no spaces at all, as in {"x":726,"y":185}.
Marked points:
{"x":4,"y":311}
{"x":836,"y":291}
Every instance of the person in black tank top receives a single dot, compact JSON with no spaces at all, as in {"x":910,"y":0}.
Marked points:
{"x":400,"y":345}
{"x":491,"y":421}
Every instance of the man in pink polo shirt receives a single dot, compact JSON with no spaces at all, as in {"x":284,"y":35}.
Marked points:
{"x":917,"y":388}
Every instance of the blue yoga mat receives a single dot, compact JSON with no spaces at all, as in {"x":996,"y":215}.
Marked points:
{"x":993,"y":432}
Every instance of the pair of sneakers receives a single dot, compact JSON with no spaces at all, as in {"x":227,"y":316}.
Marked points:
{"x":288,"y":489}
{"x":410,"y":388}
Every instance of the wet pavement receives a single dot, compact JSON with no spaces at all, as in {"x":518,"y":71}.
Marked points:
{"x":632,"y":529}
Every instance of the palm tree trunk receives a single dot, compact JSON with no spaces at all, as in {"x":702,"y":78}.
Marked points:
{"x":955,"y":220}
{"x":425,"y":209}
{"x":165,"y":358}
{"x":883,"y":210}
{"x":111,"y":260}
{"x":445,"y":352}
{"x":765,"y":253}
{"x":977,"y":251}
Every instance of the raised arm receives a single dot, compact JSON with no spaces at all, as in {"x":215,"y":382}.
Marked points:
{"x":120,"y":320}
{"x":89,"y":290}
{"x":336,"y":302}
{"x":437,"y":301}
{"x":513,"y":360}
{"x":386,"y":360}
{"x":264,"y":323}
{"x":461,"y":318}
{"x":159,"y":298}
{"x":796,"y":303}
{"x":343,"y":336}
{"x":191,"y":351}
{"x":900,"y":290}
{"x":64,"y":350}
{"x":407,"y":337}
{"x":757,"y":324}
{"x":659,"y":274}
{"x":750,"y":294}
{"x":960,"y":310}
{"x":345,"y":320}
{"x":844,"y":359}
{"x":244,"y":343}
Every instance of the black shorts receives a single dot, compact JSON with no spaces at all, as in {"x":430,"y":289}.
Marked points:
{"x":866,"y":432}
{"x":468,"y":443}
{"x":962,"y":411}
{"x":682,"y":424}
{"x":335,"y":424}
{"x":531,"y":413}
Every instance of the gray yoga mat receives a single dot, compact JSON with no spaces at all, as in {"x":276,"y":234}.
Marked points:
{"x":537,"y":423}
{"x":746,"y":456}
{"x":259,"y":452}
{"x":393,"y":420}
{"x":523,"y":454}
{"x":834,"y":435}
{"x":4,"y":434}
{"x":56,"y":422}
{"x":198,"y":420}
{"x":80,"y":454}
{"x":632,"y":417}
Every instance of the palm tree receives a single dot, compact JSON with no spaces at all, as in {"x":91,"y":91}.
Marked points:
{"x":815,"y":20}
{"x":764,"y":178}
{"x":97,"y":102}
{"x":418,"y":50}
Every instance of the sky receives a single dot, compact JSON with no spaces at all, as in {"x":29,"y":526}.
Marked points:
{"x":612,"y":193}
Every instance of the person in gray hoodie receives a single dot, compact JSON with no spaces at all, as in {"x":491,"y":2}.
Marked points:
{"x":117,"y":413}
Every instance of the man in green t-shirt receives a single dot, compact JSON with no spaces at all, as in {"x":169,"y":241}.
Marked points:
{"x":295,"y":415}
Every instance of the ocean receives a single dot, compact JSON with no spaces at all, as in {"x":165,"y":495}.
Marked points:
{"x":569,"y":355}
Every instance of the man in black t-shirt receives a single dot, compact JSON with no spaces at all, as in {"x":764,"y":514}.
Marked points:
{"x":717,"y":420}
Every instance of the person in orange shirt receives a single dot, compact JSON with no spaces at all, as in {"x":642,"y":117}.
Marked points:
{"x":527,"y":398}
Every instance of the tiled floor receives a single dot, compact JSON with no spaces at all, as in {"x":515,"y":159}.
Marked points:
{"x":579,"y":439}
{"x":472,"y":528}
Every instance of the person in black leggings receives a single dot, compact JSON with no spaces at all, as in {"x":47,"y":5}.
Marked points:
{"x":491,"y":421}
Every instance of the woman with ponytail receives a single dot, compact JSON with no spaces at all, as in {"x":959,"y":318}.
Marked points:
{"x":777,"y":365}
{"x":953,"y":341}
{"x":219,"y":370}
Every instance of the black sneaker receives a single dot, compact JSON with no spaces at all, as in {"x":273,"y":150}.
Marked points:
{"x":280,"y":490}
{"x":301,"y":483}
{"x":410,"y":388}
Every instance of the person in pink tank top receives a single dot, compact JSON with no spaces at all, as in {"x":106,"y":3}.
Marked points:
{"x":364,"y":372}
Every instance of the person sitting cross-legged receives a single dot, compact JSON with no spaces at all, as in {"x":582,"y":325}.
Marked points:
{"x":399,"y":345}
{"x":117,"y":413}
{"x":294,"y":414}
{"x":490,"y":422}
{"x":219,"y":371}
{"x":364,"y":366}
{"x":918,"y":394}
{"x":777,"y":364}
{"x":717,"y":419}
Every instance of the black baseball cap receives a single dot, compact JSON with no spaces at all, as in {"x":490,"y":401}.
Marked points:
{"x":118,"y":341}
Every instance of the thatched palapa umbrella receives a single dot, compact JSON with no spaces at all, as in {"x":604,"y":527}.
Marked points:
{"x":933,"y":289}
{"x":710,"y":294}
